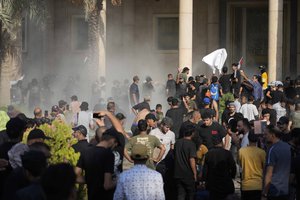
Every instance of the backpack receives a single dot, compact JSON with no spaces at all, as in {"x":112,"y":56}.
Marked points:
{"x":214,"y":91}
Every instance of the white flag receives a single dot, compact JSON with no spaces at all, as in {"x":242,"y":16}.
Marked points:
{"x":16,"y":81}
{"x":216,"y":60}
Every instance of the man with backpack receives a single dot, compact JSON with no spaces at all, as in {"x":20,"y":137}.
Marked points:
{"x":215,"y":89}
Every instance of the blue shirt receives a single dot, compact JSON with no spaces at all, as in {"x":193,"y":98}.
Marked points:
{"x":257,"y":90}
{"x":279,"y":156}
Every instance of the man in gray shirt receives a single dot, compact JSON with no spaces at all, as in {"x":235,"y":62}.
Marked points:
{"x":278,"y":164}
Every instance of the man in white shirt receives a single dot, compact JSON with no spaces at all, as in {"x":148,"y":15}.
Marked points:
{"x":85,"y":118}
{"x":140,"y":182}
{"x":249,"y":110}
{"x":165,"y":135}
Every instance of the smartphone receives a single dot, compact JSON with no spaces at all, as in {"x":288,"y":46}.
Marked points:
{"x":46,"y":114}
{"x":97,"y":116}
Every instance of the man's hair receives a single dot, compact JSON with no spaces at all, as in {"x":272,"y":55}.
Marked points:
{"x":190,"y":79}
{"x":185,"y":70}
{"x":225,"y":69}
{"x":37,"y":111}
{"x":74,"y":98}
{"x":274,"y":130}
{"x":265,"y":111}
{"x":252,"y":137}
{"x":206,"y":115}
{"x":15,"y":128}
{"x":246,"y":123}
{"x":110,"y":105}
{"x":169,"y":75}
{"x":205,"y":81}
{"x":58,"y":181}
{"x":158,"y":106}
{"x":142,"y":125}
{"x":189,"y":130}
{"x":169,"y":99}
{"x":35,"y":162}
{"x":99,"y":132}
{"x":235,"y":64}
{"x":197,"y":78}
{"x":236,"y":96}
{"x":175,"y":102}
{"x":250,"y":98}
{"x":135,"y":78}
{"x":214,"y":79}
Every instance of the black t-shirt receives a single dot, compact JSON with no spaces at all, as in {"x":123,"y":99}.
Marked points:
{"x":227,"y":116}
{"x":171,"y":87}
{"x":95,"y":162}
{"x":277,"y":96}
{"x":15,"y":181}
{"x":176,"y":114}
{"x":207,"y":133}
{"x":31,"y":192}
{"x":225,"y":82}
{"x":221,"y":169}
{"x":81,"y":146}
{"x":184,"y":150}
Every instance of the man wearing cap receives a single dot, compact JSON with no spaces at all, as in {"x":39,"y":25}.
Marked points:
{"x":148,"y":88}
{"x":207,"y":108}
{"x":15,"y":153}
{"x":139,"y":182}
{"x":150,"y":141}
{"x":80,"y":134}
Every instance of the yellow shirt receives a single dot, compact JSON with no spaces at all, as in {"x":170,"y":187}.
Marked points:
{"x":264,"y":79}
{"x":252,"y":160}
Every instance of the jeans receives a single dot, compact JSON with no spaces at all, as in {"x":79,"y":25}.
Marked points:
{"x":251,"y":195}
{"x":186,"y":189}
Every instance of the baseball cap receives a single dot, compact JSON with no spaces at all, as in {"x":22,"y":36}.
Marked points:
{"x":150,"y":116}
{"x":139,"y":152}
{"x":206,"y":100}
{"x":55,"y":108}
{"x":120,"y":116}
{"x":81,"y":129}
{"x":37,"y":134}
{"x":283,"y":120}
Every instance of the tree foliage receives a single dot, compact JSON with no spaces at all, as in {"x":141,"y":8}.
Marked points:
{"x":60,"y":144}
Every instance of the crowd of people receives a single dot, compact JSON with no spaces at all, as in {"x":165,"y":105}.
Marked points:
{"x":217,"y":132}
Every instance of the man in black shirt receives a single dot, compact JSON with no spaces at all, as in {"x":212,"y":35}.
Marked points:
{"x":171,"y":86}
{"x":80,"y":134}
{"x":224,"y":80}
{"x":185,"y":171}
{"x":98,"y":165}
{"x":209,"y":130}
{"x":193,"y":121}
{"x":231,"y":114}
{"x":176,"y":113}
{"x":221,"y":169}
{"x":181,"y":86}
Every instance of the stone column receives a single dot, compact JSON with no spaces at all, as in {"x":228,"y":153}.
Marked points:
{"x":275,"y":40}
{"x":298,"y":39}
{"x":212,"y":28}
{"x":102,"y":41}
{"x":185,"y":33}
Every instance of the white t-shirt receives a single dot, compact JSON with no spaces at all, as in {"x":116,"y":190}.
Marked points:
{"x":166,"y":139}
{"x":249,"y":111}
{"x":85,"y":118}
{"x":245,"y":140}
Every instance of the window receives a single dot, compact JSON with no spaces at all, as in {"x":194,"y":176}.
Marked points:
{"x":79,"y":33}
{"x":166,"y":31}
